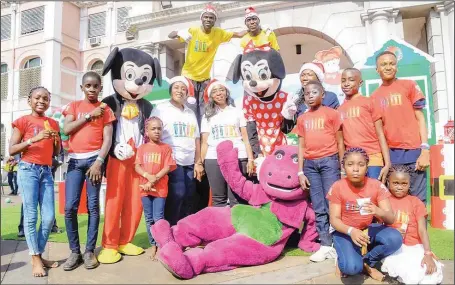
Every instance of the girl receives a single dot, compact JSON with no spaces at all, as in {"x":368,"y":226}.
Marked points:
{"x":153,"y":162}
{"x":354,"y":201}
{"x":36,"y":137}
{"x":414,"y":262}
{"x":222,"y":121}
{"x":181,"y":132}
{"x":320,"y":150}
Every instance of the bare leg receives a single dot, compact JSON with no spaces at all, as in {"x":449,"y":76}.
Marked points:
{"x":152,"y":252}
{"x":49,"y":263}
{"x":373,"y":272}
{"x":37,"y":266}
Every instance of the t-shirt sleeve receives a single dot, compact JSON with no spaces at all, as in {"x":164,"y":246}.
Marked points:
{"x":156,"y":112}
{"x":20,"y":124}
{"x":242,"y":120}
{"x":225,"y":36}
{"x":273,"y":41}
{"x":334,"y":194}
{"x":419,"y":208}
{"x":247,"y":110}
{"x":205,"y":127}
{"x":139,"y":156}
{"x":168,"y":160}
{"x":374,"y":110}
{"x":70,"y":109}
{"x":336,"y":121}
{"x":300,"y":127}
{"x":108,"y":116}
{"x":415,"y":94}
{"x":383,"y":192}
{"x":198,"y":132}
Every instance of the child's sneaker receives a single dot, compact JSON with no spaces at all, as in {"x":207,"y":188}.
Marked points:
{"x":325,"y":252}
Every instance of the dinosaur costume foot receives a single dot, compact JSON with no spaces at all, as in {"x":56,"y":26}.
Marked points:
{"x":172,"y":257}
{"x":161,"y":232}
{"x":130,"y":249}
{"x":109,"y":256}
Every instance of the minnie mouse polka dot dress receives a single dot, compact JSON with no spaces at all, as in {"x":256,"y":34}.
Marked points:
{"x":268,"y":120}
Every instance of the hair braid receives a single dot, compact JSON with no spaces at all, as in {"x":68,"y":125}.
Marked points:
{"x":355,"y":150}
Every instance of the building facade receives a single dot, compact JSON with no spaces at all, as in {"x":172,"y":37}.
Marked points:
{"x":53,"y":43}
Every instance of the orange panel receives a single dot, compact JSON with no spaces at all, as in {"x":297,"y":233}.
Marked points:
{"x":437,"y":215}
{"x":436,"y":161}
{"x":61,"y":199}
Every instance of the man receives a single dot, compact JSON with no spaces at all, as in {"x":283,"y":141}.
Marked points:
{"x":11,"y":167}
{"x":203,"y":42}
{"x":259,"y":35}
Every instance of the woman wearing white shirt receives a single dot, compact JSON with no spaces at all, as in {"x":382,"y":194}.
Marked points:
{"x":181,"y":132}
{"x":221,"y":122}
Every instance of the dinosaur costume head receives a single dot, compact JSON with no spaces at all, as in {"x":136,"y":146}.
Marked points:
{"x":278,"y":174}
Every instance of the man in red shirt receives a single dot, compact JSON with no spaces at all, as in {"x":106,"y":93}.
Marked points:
{"x":401,"y":102}
{"x":89,"y":124}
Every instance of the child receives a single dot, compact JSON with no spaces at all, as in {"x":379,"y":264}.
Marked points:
{"x":321,"y":145}
{"x":153,"y":162}
{"x":362,"y":125}
{"x":401,"y":103}
{"x":88,"y":122}
{"x":354,"y":201}
{"x":414,"y":262}
{"x":36,"y":137}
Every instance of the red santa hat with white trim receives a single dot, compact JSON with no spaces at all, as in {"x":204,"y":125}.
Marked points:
{"x":212,"y":84}
{"x":250,"y":12}
{"x":316,"y":67}
{"x":209,"y":8}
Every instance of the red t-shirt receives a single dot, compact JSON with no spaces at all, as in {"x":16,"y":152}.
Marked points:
{"x":153,"y":157}
{"x":346,"y":195}
{"x":39,"y":152}
{"x":319,"y":129}
{"x":90,"y":137}
{"x":408,"y":210}
{"x":358,"y":116}
{"x":396,"y":101}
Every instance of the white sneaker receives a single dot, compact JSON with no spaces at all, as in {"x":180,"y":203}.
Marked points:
{"x":325,"y":252}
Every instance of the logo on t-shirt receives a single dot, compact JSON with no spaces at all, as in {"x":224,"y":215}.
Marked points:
{"x":152,"y":158}
{"x":394,"y":99}
{"x":224,"y":131}
{"x":352,"y":206}
{"x":36,"y":130}
{"x":402,"y":221}
{"x":315,"y":124}
{"x":353,"y":112}
{"x":200,"y":46}
{"x":182,"y":130}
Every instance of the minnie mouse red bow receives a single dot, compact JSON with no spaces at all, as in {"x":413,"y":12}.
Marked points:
{"x":251,"y":47}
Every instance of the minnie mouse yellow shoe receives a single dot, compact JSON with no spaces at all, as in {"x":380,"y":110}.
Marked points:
{"x":109,"y":256}
{"x":130,"y":249}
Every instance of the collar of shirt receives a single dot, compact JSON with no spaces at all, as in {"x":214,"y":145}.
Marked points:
{"x":185,"y":108}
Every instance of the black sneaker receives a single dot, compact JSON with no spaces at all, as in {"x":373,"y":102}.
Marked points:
{"x":90,"y":261}
{"x":21,"y":234}
{"x":56,"y":230}
{"x":73,"y":261}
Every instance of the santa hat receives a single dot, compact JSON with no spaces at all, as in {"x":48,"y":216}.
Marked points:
{"x":209,"y":9}
{"x":210,"y":86}
{"x":189,"y":86}
{"x":250,"y":12}
{"x":316,"y":67}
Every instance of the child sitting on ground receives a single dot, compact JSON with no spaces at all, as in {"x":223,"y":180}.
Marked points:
{"x":153,"y":162}
{"x":414,"y":262}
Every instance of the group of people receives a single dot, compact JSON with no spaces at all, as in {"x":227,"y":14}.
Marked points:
{"x":363,"y":162}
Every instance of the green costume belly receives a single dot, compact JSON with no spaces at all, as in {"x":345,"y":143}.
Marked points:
{"x":259,"y":224}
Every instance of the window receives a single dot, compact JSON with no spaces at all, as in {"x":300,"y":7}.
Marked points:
{"x":32,"y":20}
{"x":29,"y":76}
{"x":4,"y":82}
{"x":122,"y":15}
{"x":6,"y":27}
{"x":3,"y":140}
{"x":96,"y":24}
{"x":97,"y":66}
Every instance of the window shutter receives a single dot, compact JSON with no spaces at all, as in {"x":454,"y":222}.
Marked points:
{"x":122,"y":14}
{"x":4,"y":82}
{"x":98,"y":68}
{"x":96,"y":24}
{"x":3,"y":140}
{"x":6,"y":27}
{"x":29,"y":78}
{"x":32,"y":20}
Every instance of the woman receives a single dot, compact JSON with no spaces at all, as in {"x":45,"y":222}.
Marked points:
{"x":181,"y":132}
{"x":310,"y":71}
{"x":222,"y":121}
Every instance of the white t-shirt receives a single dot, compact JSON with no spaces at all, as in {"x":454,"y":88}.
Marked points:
{"x":224,"y":125}
{"x":180,"y":131}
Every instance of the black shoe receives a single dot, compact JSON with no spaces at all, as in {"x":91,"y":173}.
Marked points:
{"x":73,"y":261}
{"x":56,"y":230}
{"x":21,"y":234}
{"x":90,"y":261}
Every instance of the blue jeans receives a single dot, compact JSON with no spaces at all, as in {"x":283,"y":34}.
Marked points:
{"x":181,"y":187}
{"x":383,"y":242}
{"x":322,"y":173}
{"x":37,"y":188}
{"x":74,"y":183}
{"x":153,"y":212}
{"x":374,"y":171}
{"x":12,"y":182}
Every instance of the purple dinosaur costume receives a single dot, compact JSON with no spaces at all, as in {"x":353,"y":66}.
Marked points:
{"x":243,"y":235}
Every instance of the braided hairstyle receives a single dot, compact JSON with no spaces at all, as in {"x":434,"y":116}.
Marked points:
{"x":355,"y":150}
{"x":152,"y":118}
{"x":37,"y":88}
{"x":403,"y":168}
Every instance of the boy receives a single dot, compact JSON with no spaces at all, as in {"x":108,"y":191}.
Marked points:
{"x":321,"y":146}
{"x":89,"y":124}
{"x":401,"y":102}
{"x":255,"y":33}
{"x":362,"y":125}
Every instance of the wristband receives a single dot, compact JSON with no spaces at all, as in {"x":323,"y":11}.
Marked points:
{"x":299,"y":173}
{"x":349,"y":231}
{"x":425,"y":146}
{"x":100,"y":159}
{"x":29,"y":142}
{"x":144,"y":174}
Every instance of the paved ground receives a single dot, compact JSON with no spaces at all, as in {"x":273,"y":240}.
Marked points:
{"x":16,"y":269}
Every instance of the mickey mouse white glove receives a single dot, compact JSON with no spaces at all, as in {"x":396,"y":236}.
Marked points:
{"x":185,"y":35}
{"x":123,"y":151}
{"x":267,"y":29}
{"x":289,"y":107}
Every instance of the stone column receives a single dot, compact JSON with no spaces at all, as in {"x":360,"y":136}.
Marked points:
{"x":110,"y":23}
{"x":83,"y":30}
{"x":12,"y":67}
{"x":378,"y":27}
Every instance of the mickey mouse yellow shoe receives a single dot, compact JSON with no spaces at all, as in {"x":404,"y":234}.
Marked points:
{"x":109,"y":256}
{"x":130,"y":249}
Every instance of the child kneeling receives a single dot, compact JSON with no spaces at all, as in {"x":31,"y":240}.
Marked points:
{"x":153,"y":162}
{"x":414,"y":262}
